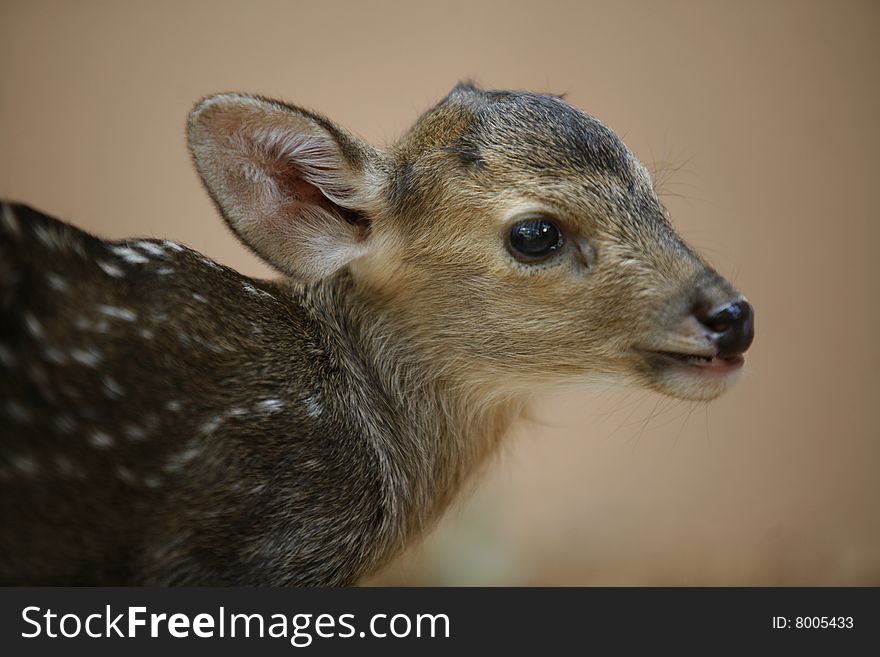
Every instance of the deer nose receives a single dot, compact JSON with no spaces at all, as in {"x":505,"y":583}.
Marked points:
{"x":731,"y":326}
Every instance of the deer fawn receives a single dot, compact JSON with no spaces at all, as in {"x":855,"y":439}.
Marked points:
{"x":166,"y":420}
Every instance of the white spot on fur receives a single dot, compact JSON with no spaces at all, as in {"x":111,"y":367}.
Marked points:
{"x":211,"y":425}
{"x":25,"y":464}
{"x":101,"y":439}
{"x":89,"y":356}
{"x":172,"y":245}
{"x":146,"y":333}
{"x":151,"y":481}
{"x":270,"y":405}
{"x":117,"y":313}
{"x":235,"y":411}
{"x":48,"y":237}
{"x":250,"y":289}
{"x":56,"y":282}
{"x":112,"y":388}
{"x":198,"y":297}
{"x":164,"y":271}
{"x":6,"y":356}
{"x":210,"y":263}
{"x":173,"y":405}
{"x":181,"y":459}
{"x":33,"y":325}
{"x":135,"y":433}
{"x":109,"y":269}
{"x":313,"y":407}
{"x":190,"y":453}
{"x":129,"y":255}
{"x":150,"y":247}
{"x":9,"y":219}
{"x":125,"y":474}
{"x":55,"y":356}
{"x":17,"y":412}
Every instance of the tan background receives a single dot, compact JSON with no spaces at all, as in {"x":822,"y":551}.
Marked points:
{"x":768,"y":113}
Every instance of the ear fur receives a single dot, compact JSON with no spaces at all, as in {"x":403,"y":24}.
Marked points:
{"x":296,"y":189}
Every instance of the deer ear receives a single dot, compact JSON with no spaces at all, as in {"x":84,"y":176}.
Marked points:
{"x":295,"y":188}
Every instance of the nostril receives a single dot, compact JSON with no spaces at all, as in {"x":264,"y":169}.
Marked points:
{"x":731,"y":326}
{"x":722,"y":318}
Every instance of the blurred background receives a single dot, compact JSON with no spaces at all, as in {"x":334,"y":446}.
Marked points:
{"x":760,"y":119}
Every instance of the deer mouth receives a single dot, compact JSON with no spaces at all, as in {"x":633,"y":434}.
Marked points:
{"x":706,"y":363}
{"x":691,"y":375}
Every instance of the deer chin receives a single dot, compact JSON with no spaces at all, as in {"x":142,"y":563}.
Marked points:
{"x":690,"y":376}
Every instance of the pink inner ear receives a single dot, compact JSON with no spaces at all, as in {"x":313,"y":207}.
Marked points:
{"x":292,"y":183}
{"x":294,"y":186}
{"x":303,"y":191}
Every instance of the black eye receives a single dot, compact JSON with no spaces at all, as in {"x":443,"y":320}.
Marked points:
{"x":534,"y":238}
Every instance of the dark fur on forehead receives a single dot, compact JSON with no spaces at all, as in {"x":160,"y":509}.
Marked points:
{"x":494,"y":133}
{"x":547,"y":133}
{"x":541,"y":132}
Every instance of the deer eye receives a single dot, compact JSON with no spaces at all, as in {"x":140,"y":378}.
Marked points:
{"x":534,"y":238}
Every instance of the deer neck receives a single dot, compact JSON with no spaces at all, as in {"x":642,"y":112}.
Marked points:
{"x":429,"y":429}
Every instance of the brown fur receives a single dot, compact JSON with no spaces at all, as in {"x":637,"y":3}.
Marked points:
{"x":169,"y":421}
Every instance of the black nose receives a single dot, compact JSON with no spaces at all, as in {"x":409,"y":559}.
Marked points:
{"x":731,"y":326}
